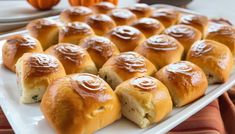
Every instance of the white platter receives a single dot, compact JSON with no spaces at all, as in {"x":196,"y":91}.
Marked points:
{"x":28,"y":119}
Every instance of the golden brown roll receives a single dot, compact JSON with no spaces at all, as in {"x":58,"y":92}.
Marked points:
{"x":103,"y":7}
{"x":15,"y":46}
{"x":74,"y":32}
{"x":224,"y":34}
{"x":80,"y":104}
{"x":126,"y":38}
{"x":215,"y":59}
{"x":35,"y":71}
{"x":125,"y":66}
{"x":149,"y":26}
{"x":167,"y":16}
{"x":161,"y":50}
{"x":45,"y":30}
{"x":186,"y":35}
{"x":77,"y":13}
{"x":122,"y":16}
{"x":100,"y":49}
{"x":185,"y":81}
{"x":141,"y":10}
{"x":197,"y":21}
{"x":75,"y":59}
{"x":101,"y":23}
{"x":145,"y":100}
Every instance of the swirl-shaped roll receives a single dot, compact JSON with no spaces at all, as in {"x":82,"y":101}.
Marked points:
{"x":122,"y":16}
{"x":222,"y":33}
{"x":125,"y":66}
{"x":77,"y":13}
{"x":126,"y":38}
{"x":144,"y":90}
{"x":74,"y":32}
{"x":197,"y":21}
{"x":15,"y":46}
{"x":80,"y":95}
{"x":74,"y":58}
{"x":167,"y":16}
{"x":101,"y":24}
{"x":37,"y":29}
{"x":100,"y":49}
{"x":103,"y":7}
{"x":35,"y":71}
{"x":141,"y":10}
{"x":185,"y":81}
{"x":186,"y":35}
{"x":213,"y":58}
{"x":149,"y":26}
{"x":161,"y":50}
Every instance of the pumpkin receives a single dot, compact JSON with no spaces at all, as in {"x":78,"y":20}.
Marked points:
{"x":89,"y":3}
{"x":43,"y":4}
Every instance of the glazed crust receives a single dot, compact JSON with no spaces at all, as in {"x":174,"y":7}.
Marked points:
{"x":80,"y":104}
{"x":185,"y":81}
{"x":74,"y":58}
{"x":141,"y":10}
{"x":161,"y":50}
{"x":103,"y":7}
{"x":15,"y":46}
{"x":213,"y":58}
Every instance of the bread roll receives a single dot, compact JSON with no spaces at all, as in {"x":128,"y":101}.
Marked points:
{"x":145,"y":100}
{"x":224,"y":34}
{"x":35,"y":71}
{"x":149,"y":26}
{"x":125,"y":66}
{"x":101,"y":24}
{"x":185,"y":81}
{"x":122,"y":16}
{"x":100,"y":49}
{"x":77,"y":13}
{"x":186,"y":35}
{"x":45,"y":30}
{"x":15,"y":46}
{"x":167,"y":16}
{"x":103,"y":7}
{"x":126,"y":38}
{"x":213,"y":58}
{"x":80,"y":104}
{"x":197,"y":21}
{"x":74,"y":32}
{"x":221,"y":21}
{"x":141,"y":10}
{"x":74,"y":58}
{"x":161,"y":50}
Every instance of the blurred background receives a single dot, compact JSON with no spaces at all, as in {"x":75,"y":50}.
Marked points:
{"x":16,"y":13}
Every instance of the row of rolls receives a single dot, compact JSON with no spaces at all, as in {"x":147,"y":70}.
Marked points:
{"x":100,"y":62}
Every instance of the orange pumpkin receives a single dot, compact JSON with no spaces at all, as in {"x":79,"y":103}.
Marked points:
{"x":89,"y":3}
{"x":43,"y":4}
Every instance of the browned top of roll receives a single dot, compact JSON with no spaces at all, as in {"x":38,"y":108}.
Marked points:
{"x":103,"y":7}
{"x":141,"y":8}
{"x":181,"y":31}
{"x":42,"y":64}
{"x":125,"y":33}
{"x":121,"y":14}
{"x":88,"y":85}
{"x":96,"y":18}
{"x":161,"y":43}
{"x":41,"y":24}
{"x":21,"y":41}
{"x":147,"y":24}
{"x":131,"y":62}
{"x":193,"y":19}
{"x":201,"y":48}
{"x":76,"y":28}
{"x":221,"y":29}
{"x":70,"y":52}
{"x":77,"y":11}
{"x":145,"y":83}
{"x":165,"y":13}
{"x":101,"y":45}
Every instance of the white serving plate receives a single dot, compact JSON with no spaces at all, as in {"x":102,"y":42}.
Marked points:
{"x":28,"y":119}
